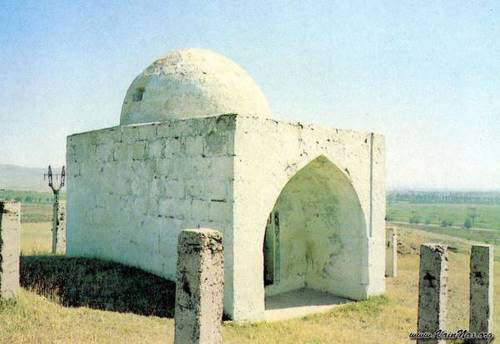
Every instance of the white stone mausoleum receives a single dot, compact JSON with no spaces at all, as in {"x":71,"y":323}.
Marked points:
{"x":299,"y":205}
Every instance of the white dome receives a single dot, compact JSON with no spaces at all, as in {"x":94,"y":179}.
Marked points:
{"x":190,"y":83}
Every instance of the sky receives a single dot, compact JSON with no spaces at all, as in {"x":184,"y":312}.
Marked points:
{"x":426,"y":74}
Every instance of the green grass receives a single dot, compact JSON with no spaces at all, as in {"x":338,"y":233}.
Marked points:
{"x":69,"y":300}
{"x":29,"y":196}
{"x":35,"y":206}
{"x":488,"y":216}
{"x":487,"y":237}
{"x":36,"y":212}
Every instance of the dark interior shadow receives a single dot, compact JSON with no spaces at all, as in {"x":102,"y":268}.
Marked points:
{"x":98,"y":284}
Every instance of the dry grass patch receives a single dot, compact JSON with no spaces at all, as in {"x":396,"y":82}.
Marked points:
{"x":36,"y":212}
{"x":98,"y":284}
{"x":36,"y":238}
{"x":387,"y":319}
{"x":34,"y":319}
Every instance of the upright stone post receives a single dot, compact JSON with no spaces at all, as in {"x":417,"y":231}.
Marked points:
{"x":10,"y":229}
{"x":200,"y":287}
{"x":391,"y":253}
{"x":433,"y":290}
{"x":61,"y":228}
{"x":481,"y":290}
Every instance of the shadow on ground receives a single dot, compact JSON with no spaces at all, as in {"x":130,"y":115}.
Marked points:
{"x":93,"y":283}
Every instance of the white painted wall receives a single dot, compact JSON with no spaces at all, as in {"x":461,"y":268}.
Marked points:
{"x":190,"y":83}
{"x":321,"y":225}
{"x":132,"y":189}
{"x":268,"y":154}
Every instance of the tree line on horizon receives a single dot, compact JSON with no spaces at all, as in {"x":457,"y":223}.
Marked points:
{"x":450,"y":197}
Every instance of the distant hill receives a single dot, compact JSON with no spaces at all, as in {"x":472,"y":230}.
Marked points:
{"x":23,"y":178}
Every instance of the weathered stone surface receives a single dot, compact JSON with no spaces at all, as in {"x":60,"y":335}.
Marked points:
{"x":200,"y":287}
{"x":191,"y":83}
{"x":10,"y":231}
{"x":481,"y":290}
{"x":433,"y":290}
{"x":391,"y":253}
{"x":61,"y":228}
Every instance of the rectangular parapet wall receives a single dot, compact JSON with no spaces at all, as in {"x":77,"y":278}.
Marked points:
{"x":10,"y":231}
{"x":132,"y":189}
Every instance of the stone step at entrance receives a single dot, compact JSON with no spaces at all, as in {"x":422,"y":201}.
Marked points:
{"x":299,"y":303}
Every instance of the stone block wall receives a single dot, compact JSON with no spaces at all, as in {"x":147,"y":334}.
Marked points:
{"x":10,"y":231}
{"x":132,"y":189}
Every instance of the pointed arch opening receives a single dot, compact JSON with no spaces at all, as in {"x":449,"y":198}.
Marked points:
{"x":315,"y":237}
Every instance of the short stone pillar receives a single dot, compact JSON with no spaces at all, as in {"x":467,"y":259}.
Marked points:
{"x":10,"y":231}
{"x":481,"y":290}
{"x":61,"y":228}
{"x":432,"y":290}
{"x":391,"y":253}
{"x":200,"y":287}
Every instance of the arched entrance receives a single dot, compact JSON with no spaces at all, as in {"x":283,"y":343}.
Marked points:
{"x":316,"y":237}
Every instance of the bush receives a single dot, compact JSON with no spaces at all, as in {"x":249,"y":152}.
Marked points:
{"x":414,"y":219}
{"x":468,"y":223}
{"x":446,"y":223}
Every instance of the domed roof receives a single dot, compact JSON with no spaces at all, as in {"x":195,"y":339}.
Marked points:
{"x":190,"y":83}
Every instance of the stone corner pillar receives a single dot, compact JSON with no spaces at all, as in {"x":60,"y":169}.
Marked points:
{"x":481,"y":290}
{"x":10,"y":231}
{"x":432,"y":290}
{"x":200,"y":287}
{"x":391,"y":253}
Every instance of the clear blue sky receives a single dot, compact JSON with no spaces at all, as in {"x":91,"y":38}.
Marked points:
{"x":424,"y":73}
